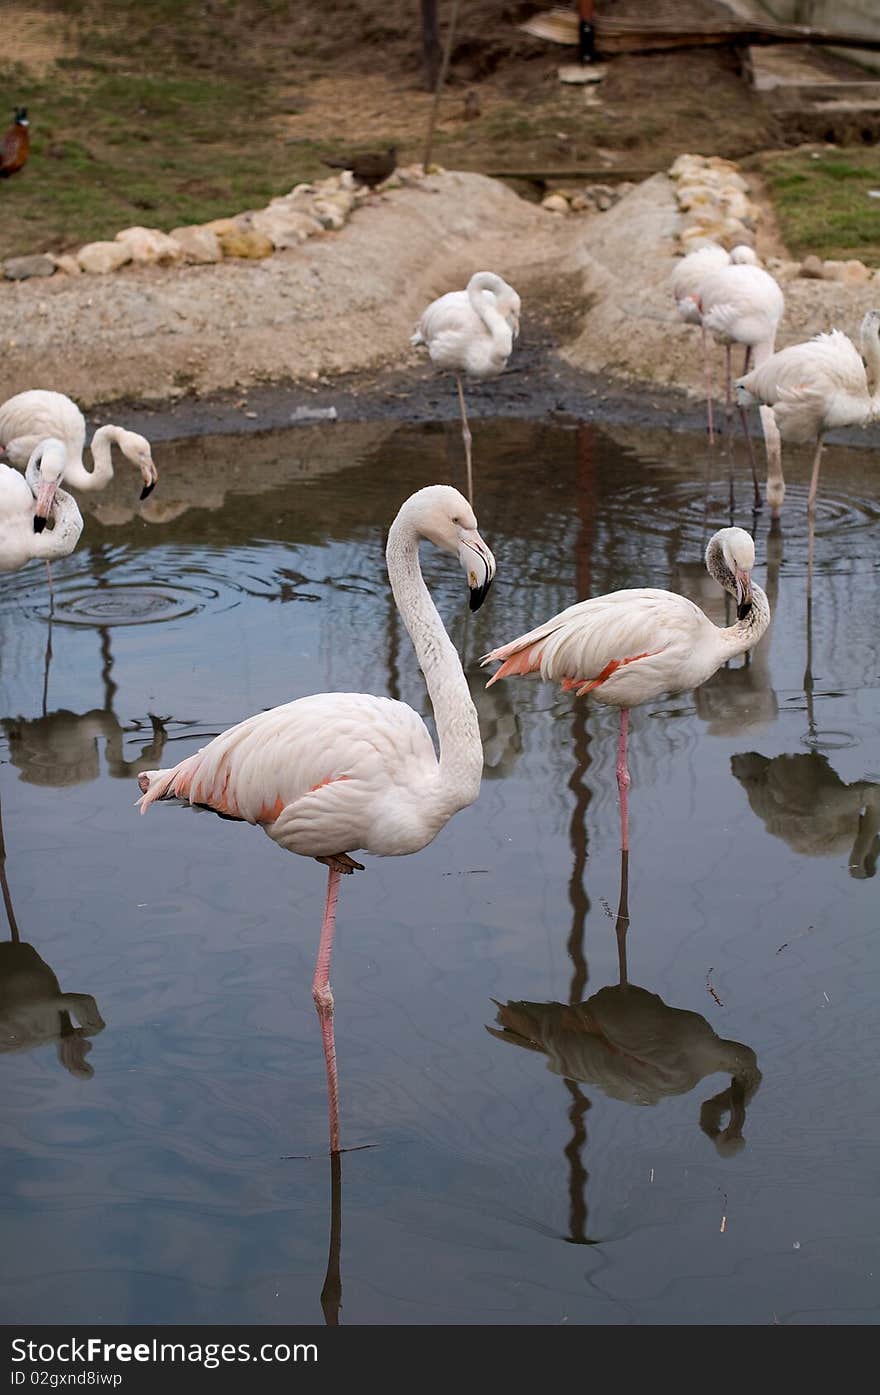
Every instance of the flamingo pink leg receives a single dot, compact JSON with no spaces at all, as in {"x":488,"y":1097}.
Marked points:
{"x":623,"y":781}
{"x":49,"y":578}
{"x":324,"y":1003}
{"x":707,"y":375}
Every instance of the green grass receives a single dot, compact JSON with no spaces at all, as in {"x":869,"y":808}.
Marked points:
{"x":110,"y":148}
{"x":822,"y":202}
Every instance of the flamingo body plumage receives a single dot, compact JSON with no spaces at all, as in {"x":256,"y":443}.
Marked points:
{"x":30,"y":417}
{"x":26,"y":501}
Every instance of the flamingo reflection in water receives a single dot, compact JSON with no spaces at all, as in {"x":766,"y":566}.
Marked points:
{"x":33,"y":1009}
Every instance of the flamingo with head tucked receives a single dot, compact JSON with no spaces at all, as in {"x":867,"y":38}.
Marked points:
{"x":687,"y":274}
{"x":327,"y":775}
{"x":630,"y":647}
{"x":471,"y":332}
{"x":30,"y":417}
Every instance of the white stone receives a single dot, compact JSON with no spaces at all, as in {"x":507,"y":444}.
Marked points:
{"x":198,"y":245}
{"x":286,"y":227}
{"x":100,"y":257}
{"x":149,"y":246}
{"x":555,"y":203}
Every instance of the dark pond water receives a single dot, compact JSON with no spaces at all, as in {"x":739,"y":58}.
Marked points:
{"x":171,"y":1165}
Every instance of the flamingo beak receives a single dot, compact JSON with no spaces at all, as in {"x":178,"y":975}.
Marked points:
{"x":743,"y":593}
{"x":150,"y":475}
{"x":45,"y":501}
{"x":479,"y":566}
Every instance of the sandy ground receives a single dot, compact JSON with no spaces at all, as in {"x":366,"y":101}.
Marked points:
{"x":595,"y":293}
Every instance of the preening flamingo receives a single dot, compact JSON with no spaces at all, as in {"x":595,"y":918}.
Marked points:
{"x":471,"y":332}
{"x":744,"y":305}
{"x":630,"y":647}
{"x":814,"y":387}
{"x":687,"y":275}
{"x":26,"y":503}
{"x":30,"y":417}
{"x":330,"y":774}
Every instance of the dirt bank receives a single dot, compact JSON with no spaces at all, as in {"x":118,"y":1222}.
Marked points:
{"x":595,"y":291}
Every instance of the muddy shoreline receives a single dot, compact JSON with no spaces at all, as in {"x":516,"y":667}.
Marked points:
{"x":537,"y":385}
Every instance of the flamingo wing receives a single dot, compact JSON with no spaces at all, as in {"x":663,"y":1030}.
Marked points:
{"x":585,"y":645}
{"x":313,"y":772}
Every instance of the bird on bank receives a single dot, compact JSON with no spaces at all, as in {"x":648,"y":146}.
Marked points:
{"x":30,"y":417}
{"x":471,"y":332}
{"x":327,"y":775}
{"x":370,"y":168}
{"x":687,"y":275}
{"x":630,"y":647}
{"x":16,"y":145}
{"x":813,"y":388}
{"x":28,"y":502}
{"x":744,"y":305}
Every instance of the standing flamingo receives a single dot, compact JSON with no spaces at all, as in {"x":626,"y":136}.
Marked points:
{"x":630,"y":647}
{"x":815,"y":387}
{"x":30,"y":417}
{"x":330,"y":774}
{"x":471,"y":332}
{"x":687,"y":275}
{"x":26,"y":502}
{"x":743,"y":305}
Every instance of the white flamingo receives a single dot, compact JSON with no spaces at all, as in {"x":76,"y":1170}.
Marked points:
{"x":630,"y":647}
{"x":330,"y":774}
{"x":744,"y":305}
{"x":30,"y":417}
{"x":471,"y":332}
{"x":687,"y":275}
{"x":26,"y":503}
{"x":816,"y":386}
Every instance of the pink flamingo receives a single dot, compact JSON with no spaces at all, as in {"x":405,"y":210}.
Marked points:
{"x":687,"y":275}
{"x":630,"y":647}
{"x":330,"y":774}
{"x":744,"y":305}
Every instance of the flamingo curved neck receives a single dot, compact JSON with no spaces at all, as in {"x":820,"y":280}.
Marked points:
{"x":461,"y":750}
{"x":870,"y":346}
{"x":745,"y":633}
{"x":101,"y":472}
{"x":62,"y":537}
{"x":487,"y":310}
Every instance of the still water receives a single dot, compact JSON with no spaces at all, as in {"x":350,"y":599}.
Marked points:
{"x":697,"y":1145}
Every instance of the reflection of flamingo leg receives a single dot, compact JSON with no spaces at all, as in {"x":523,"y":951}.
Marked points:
{"x":622,"y":923}
{"x":324,"y":1003}
{"x":467,"y":438}
{"x":7,"y":898}
{"x":811,"y":513}
{"x":331,"y":1293}
{"x":623,"y":780}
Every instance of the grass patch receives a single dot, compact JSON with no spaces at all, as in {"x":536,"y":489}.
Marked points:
{"x":823,"y":205}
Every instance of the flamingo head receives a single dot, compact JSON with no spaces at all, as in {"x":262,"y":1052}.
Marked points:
{"x":737,"y":551}
{"x":445,"y":518}
{"x":137,"y":449}
{"x":51,"y":458}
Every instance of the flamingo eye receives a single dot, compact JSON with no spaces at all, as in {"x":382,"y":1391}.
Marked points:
{"x":456,"y":520}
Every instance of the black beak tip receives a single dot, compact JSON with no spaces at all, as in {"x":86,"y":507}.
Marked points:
{"x":479,"y":594}
{"x":39,"y":523}
{"x":743,"y":610}
{"x":147,"y":490}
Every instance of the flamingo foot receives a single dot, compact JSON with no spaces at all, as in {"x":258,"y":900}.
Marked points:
{"x":341,"y":862}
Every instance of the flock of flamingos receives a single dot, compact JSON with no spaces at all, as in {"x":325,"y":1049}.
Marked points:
{"x":333,"y":774}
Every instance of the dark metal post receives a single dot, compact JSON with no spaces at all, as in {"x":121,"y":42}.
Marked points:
{"x":586,"y":35}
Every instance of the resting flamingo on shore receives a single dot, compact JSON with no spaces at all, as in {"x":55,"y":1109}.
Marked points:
{"x":744,"y":305}
{"x":471,"y":332}
{"x":687,"y":275}
{"x":630,"y":647}
{"x":30,"y":417}
{"x":814,"y":387}
{"x":28,"y":501}
{"x":327,"y":775}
